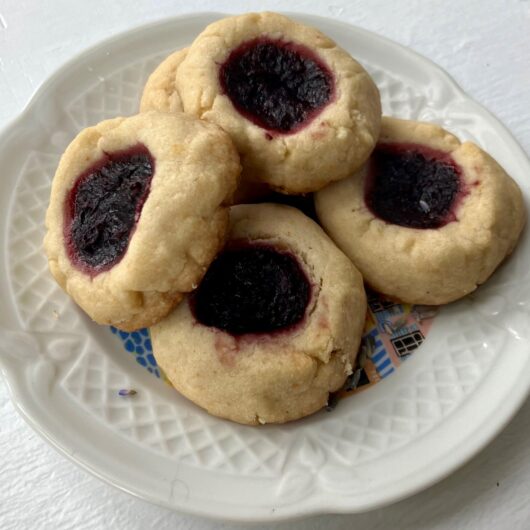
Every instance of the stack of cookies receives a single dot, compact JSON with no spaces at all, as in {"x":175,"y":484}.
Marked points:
{"x":256,"y":312}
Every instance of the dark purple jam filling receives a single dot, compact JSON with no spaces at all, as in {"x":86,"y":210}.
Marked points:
{"x":277,"y":85}
{"x":103,"y":207}
{"x":413,"y":186}
{"x":252,"y":288}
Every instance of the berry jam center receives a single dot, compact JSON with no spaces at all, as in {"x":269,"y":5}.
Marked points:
{"x":103,"y":207}
{"x":252,"y":289}
{"x":413,"y":186}
{"x":277,"y":85}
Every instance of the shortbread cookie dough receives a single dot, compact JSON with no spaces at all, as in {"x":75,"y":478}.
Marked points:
{"x":137,"y":214}
{"x":160,"y":92}
{"x":301,"y":111}
{"x":428,"y":218}
{"x":273,"y":328}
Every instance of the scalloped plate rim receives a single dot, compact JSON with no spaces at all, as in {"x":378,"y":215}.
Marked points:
{"x":452,"y":462}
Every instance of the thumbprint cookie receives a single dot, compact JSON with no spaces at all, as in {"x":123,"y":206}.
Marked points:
{"x":273,"y":327}
{"x":428,"y":218}
{"x":137,"y":213}
{"x":300,"y":110}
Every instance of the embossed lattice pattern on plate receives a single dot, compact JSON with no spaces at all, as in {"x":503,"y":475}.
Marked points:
{"x":164,"y":427}
{"x":42,"y":305}
{"x":113,"y":95}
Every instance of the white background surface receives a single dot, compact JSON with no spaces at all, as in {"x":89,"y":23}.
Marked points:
{"x":484,"y":45}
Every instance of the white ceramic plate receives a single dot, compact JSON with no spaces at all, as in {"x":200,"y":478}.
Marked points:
{"x":463,"y":385}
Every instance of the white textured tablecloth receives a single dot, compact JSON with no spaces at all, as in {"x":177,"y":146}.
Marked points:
{"x":484,"y":45}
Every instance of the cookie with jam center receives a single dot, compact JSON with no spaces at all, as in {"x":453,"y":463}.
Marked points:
{"x":428,"y":218}
{"x":300,"y":110}
{"x":273,"y":327}
{"x":137,"y":212}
